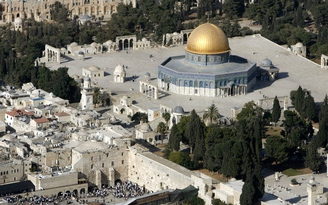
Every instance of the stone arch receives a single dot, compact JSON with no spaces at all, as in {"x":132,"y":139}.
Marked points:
{"x":17,"y":15}
{"x":120,"y":45}
{"x":82,"y":191}
{"x":201,"y":84}
{"x":75,"y":193}
{"x":118,"y":181}
{"x":131,"y":43}
{"x":125,"y":44}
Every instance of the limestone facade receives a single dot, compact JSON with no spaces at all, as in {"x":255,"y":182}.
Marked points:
{"x":40,"y":10}
{"x":13,"y":170}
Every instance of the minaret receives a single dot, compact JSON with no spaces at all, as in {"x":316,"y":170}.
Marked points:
{"x":311,"y":188}
{"x":87,"y":94}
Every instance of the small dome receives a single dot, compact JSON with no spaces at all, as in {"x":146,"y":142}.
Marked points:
{"x":207,"y":39}
{"x":94,"y":44}
{"x":147,"y":75}
{"x":113,"y":119}
{"x":266,"y":63}
{"x":109,"y":42}
{"x":145,"y":127}
{"x":119,"y":69}
{"x":74,"y":44}
{"x":63,"y":49}
{"x":175,"y":33}
{"x":80,"y":53}
{"x":144,"y":39}
{"x":299,"y":45}
{"x":178,"y":110}
{"x":93,"y":68}
{"x":85,"y":17}
{"x":18,"y":20}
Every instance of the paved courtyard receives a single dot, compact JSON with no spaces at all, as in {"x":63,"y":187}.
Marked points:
{"x":294,"y":71}
{"x":287,"y":194}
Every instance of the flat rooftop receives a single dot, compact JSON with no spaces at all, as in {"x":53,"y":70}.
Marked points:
{"x":294,"y":71}
{"x":234,"y":66}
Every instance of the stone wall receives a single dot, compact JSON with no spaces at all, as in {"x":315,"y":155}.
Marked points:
{"x":157,"y":173}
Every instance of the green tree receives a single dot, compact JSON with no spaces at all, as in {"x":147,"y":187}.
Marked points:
{"x":276,"y":148}
{"x":195,"y":134}
{"x":174,"y":140}
{"x":167,"y":117}
{"x":139,"y":117}
{"x":234,"y":8}
{"x":312,"y":159}
{"x":96,"y":96}
{"x":211,"y":113}
{"x":161,"y":128}
{"x":321,"y":140}
{"x":59,"y":13}
{"x":276,"y":110}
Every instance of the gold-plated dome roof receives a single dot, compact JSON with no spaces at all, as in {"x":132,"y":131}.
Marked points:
{"x":207,"y":39}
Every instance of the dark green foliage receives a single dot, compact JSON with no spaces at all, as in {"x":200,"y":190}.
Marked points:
{"x":218,"y":202}
{"x":232,"y":158}
{"x":195,"y":201}
{"x":276,"y":110}
{"x":276,"y":148}
{"x":139,"y":117}
{"x":195,"y":135}
{"x":59,"y":13}
{"x":321,"y":140}
{"x":58,"y":82}
{"x":313,"y":160}
{"x":234,"y":8}
{"x":296,"y":128}
{"x":174,"y":140}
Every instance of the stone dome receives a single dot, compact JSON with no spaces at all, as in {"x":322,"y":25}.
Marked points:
{"x":178,"y":110}
{"x":63,"y":49}
{"x":93,"y":68}
{"x":81,"y":53}
{"x":18,"y":20}
{"x":147,"y":75}
{"x":299,"y":45}
{"x":266,"y":63}
{"x":74,"y":44}
{"x":207,"y":39}
{"x":119,"y":69}
{"x":85,"y":17}
{"x":144,"y":39}
{"x":94,"y":44}
{"x":145,"y":127}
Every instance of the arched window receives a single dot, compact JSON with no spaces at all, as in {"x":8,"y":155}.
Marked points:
{"x":201,"y":84}
{"x":190,"y":83}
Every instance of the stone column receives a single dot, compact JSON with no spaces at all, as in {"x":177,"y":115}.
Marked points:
{"x":98,"y":178}
{"x":111,"y":176}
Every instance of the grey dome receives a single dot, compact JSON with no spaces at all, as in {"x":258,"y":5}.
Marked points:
{"x":81,"y":53}
{"x":178,"y":110}
{"x":85,"y":17}
{"x":266,"y":63}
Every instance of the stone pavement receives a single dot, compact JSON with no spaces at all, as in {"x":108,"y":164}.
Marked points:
{"x":294,"y":71}
{"x":287,"y":194}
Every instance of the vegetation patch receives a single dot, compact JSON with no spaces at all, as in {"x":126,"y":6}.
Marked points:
{"x":294,"y":172}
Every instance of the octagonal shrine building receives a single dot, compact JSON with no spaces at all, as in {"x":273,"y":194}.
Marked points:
{"x":208,"y":68}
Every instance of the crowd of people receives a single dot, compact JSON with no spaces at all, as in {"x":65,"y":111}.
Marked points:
{"x":126,"y":189}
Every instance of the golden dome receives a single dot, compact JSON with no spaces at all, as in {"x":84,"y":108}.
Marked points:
{"x":207,"y":39}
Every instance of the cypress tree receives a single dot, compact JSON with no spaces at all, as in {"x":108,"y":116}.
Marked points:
{"x":276,"y":111}
{"x":174,"y":140}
